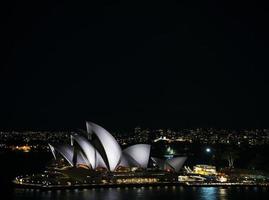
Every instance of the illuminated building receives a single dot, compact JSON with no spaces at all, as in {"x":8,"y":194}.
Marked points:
{"x":24,"y":148}
{"x":101,"y":150}
{"x":205,"y":170}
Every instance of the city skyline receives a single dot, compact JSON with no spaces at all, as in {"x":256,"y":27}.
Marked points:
{"x":244,"y":137}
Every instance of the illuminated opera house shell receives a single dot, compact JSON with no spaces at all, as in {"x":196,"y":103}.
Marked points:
{"x":101,"y":150}
{"x":174,"y":164}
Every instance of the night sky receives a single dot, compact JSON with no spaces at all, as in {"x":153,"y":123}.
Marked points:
{"x":153,"y":64}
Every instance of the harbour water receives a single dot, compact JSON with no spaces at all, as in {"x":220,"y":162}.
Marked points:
{"x":197,"y":193}
{"x":13,"y":164}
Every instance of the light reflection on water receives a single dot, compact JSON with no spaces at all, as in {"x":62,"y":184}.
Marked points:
{"x":208,"y":193}
{"x":145,"y":193}
{"x":223,"y":194}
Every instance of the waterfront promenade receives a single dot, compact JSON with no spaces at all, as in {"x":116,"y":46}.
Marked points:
{"x":158,"y":184}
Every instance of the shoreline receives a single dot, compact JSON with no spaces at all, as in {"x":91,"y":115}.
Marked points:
{"x":113,"y":185}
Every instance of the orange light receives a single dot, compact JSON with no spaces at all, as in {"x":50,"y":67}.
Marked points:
{"x":24,"y":148}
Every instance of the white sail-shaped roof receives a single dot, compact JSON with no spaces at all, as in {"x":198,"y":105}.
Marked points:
{"x":140,"y":153}
{"x":110,"y":145}
{"x":52,"y":151}
{"x":124,"y":161}
{"x":99,"y":160}
{"x":127,"y":161}
{"x":177,"y":162}
{"x":66,"y":151}
{"x":102,"y":150}
{"x":81,"y":159}
{"x":87,"y":148}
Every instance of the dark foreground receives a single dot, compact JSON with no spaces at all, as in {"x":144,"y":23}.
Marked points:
{"x":146,"y":193}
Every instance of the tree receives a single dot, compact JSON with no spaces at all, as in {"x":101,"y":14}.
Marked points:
{"x":230,"y":155}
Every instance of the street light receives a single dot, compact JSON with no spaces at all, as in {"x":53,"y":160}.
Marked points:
{"x":208,"y":150}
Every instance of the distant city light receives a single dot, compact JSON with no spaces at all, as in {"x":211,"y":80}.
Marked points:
{"x":170,"y":151}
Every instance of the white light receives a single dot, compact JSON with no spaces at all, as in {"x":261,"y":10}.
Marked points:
{"x":208,"y":150}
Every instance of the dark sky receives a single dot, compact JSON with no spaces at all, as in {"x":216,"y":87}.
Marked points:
{"x":154,"y":64}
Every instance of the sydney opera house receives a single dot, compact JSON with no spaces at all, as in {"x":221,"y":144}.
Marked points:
{"x":100,"y":150}
{"x":96,"y":159}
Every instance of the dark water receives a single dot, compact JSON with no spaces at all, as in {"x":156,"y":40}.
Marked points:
{"x":15,"y":164}
{"x":210,"y":193}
